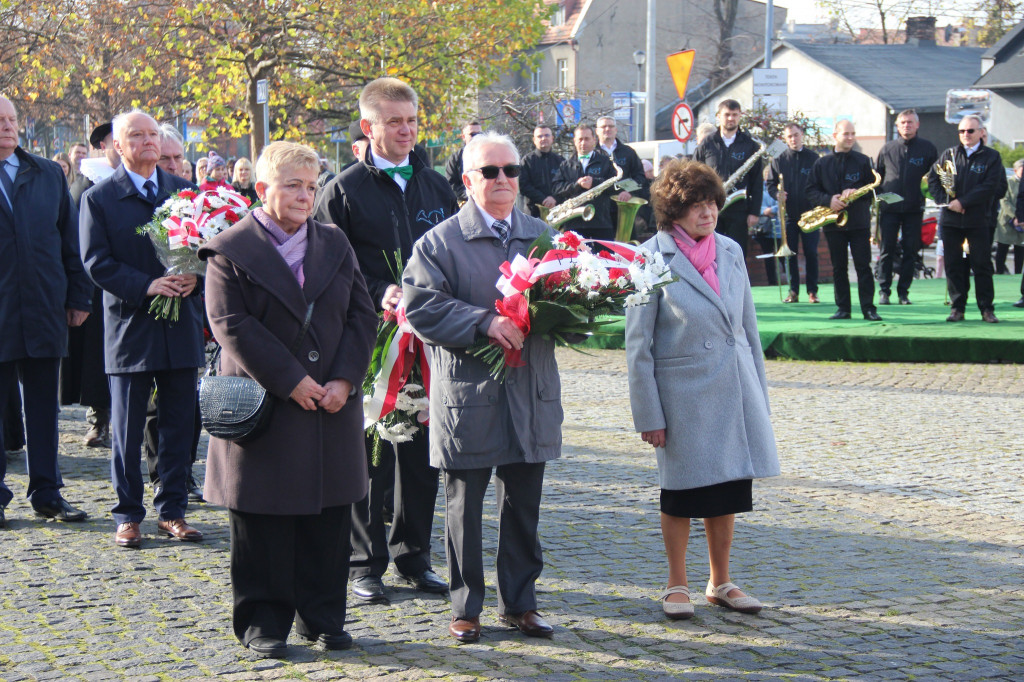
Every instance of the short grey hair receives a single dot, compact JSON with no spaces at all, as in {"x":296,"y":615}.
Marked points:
{"x":1019,"y":163}
{"x":977,"y":120}
{"x":118,"y":123}
{"x":169,"y":132}
{"x":384,"y":89}
{"x":490,"y":138}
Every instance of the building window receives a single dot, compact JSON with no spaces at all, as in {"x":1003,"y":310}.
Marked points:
{"x":558,"y":18}
{"x":535,"y":81}
{"x":563,"y":74}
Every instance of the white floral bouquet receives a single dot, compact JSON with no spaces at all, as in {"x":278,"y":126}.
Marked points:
{"x":563,"y":286}
{"x":180,"y":226}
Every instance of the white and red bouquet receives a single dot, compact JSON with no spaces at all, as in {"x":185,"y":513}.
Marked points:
{"x":563,"y":286}
{"x":180,"y":226}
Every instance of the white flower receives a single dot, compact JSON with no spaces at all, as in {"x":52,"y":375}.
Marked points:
{"x":622,"y":282}
{"x":633,"y":300}
{"x":593,"y":295}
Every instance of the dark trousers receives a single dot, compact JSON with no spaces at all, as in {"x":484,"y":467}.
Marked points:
{"x":13,"y":430}
{"x":152,"y":439}
{"x":797,"y":238}
{"x":732,"y":222}
{"x":289,"y":568}
{"x":767,"y":245}
{"x":414,"y":495}
{"x":904,"y":230}
{"x":1002,"y":251}
{"x":175,"y":427}
{"x":980,"y":258}
{"x":83,"y":378}
{"x":40,"y":378}
{"x":519,"y":559}
{"x":859,"y":245}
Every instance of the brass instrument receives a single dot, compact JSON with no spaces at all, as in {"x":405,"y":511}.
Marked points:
{"x":579,"y":206}
{"x":731,"y":197}
{"x":947,"y":176}
{"x":820,"y":216}
{"x":784,"y":250}
{"x":627,"y":216}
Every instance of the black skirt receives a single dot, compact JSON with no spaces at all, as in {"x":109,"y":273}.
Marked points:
{"x":720,"y":499}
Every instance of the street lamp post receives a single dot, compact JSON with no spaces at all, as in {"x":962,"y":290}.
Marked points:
{"x":639,"y":58}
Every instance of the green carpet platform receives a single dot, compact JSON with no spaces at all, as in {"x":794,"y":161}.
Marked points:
{"x":914,"y":333}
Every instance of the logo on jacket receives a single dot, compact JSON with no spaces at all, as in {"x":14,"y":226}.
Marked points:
{"x":979,"y":168}
{"x":852,"y":177}
{"x":805,"y":171}
{"x":738,"y":156}
{"x":917,"y":161}
{"x":430,"y":218}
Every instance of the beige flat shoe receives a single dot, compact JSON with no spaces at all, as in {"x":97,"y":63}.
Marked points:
{"x":676,"y":610}
{"x":720,"y":595}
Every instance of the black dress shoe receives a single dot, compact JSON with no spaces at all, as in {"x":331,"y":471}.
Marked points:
{"x":1019,"y":303}
{"x":872,"y":316}
{"x":337,"y":642}
{"x":840,"y":315}
{"x":427,"y":581}
{"x":268,"y":647}
{"x":60,"y":509}
{"x":370,"y":589}
{"x":904,"y":300}
{"x":3,"y":519}
{"x":195,"y":491}
{"x":529,"y":623}
{"x":955,"y":316}
{"x":883,"y":298}
{"x":989,"y":316}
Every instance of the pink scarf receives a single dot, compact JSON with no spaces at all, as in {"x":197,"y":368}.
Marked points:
{"x":292,"y":247}
{"x":700,"y":253}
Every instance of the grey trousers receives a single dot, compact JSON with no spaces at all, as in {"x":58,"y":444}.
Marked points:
{"x":519,"y":558}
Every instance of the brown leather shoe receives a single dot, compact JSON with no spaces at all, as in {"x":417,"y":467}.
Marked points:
{"x":813,"y":298}
{"x":178,"y":528}
{"x":529,"y":623}
{"x":955,"y":316}
{"x":989,"y":316}
{"x":128,"y":535}
{"x":465,"y":630}
{"x":792,"y":298}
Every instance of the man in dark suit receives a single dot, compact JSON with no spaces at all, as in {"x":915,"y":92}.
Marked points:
{"x":140,"y":348}
{"x":384,"y":204}
{"x":726,"y":151}
{"x":792,"y":169}
{"x":453,"y":169}
{"x":588,"y":169}
{"x":43,"y":291}
{"x":536,"y":182}
{"x":626,"y":158}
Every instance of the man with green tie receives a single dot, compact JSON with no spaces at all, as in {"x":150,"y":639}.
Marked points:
{"x":588,"y":169}
{"x":384,"y":203}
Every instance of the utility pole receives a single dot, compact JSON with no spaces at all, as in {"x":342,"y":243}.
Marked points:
{"x":650,"y":108}
{"x":769,"y":23}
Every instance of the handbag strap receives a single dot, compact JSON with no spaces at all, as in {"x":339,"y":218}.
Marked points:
{"x":293,"y":350}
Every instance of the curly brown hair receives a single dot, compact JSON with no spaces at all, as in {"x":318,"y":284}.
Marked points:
{"x":680,"y":185}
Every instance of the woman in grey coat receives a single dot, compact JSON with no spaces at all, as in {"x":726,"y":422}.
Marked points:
{"x":697,"y":383}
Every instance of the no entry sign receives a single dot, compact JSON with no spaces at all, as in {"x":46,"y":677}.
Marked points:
{"x":682,"y":122}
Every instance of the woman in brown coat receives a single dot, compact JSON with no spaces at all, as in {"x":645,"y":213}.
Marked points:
{"x":289,"y":491}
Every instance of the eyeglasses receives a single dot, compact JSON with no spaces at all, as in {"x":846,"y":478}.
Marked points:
{"x":491,"y":172}
{"x":969,"y":131}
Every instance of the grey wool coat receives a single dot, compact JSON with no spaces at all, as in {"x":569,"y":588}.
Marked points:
{"x":449,"y":291}
{"x":306,"y":461}
{"x":696,"y":369}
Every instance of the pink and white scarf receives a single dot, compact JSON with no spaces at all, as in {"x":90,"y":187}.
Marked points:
{"x":700,"y":253}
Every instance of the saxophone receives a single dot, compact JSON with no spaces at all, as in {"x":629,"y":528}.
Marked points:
{"x":947,"y":176}
{"x":820,"y":216}
{"x":579,"y":206}
{"x":729,"y":185}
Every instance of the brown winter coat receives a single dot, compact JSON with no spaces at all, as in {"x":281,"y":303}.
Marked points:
{"x":306,"y":461}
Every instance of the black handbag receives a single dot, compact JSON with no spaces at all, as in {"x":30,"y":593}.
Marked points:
{"x":238,"y":408}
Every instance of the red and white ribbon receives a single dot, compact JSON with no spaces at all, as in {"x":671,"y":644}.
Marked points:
{"x":404,"y":352}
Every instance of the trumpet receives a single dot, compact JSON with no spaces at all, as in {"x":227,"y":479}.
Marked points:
{"x":820,"y":216}
{"x":783,"y":250}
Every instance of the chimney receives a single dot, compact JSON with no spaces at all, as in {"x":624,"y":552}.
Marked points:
{"x":921,"y":31}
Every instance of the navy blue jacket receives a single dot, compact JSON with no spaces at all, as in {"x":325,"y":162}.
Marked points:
{"x":123,"y":263}
{"x":41,"y":273}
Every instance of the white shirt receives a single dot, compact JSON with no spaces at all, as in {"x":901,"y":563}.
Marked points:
{"x":383,"y":163}
{"x":489,"y":221}
{"x":971,"y":150}
{"x":610,"y":150}
{"x":140,"y":181}
{"x":728,"y":140}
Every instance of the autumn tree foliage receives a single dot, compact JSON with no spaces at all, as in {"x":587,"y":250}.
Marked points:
{"x":203,"y":58}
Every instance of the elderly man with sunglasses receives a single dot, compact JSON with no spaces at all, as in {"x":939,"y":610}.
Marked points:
{"x":965,"y":216}
{"x":477,"y":423}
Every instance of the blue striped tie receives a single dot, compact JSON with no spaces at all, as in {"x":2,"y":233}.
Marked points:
{"x":502,"y":228}
{"x":8,"y":183}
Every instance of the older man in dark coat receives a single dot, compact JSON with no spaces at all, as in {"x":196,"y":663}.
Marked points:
{"x":139,"y":347}
{"x":478,"y":423}
{"x":43,"y":291}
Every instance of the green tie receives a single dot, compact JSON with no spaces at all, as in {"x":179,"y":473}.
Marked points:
{"x":404,"y":171}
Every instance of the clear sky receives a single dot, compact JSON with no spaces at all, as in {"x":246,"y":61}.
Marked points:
{"x":803,"y":11}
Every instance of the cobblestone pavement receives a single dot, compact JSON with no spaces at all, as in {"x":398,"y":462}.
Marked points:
{"x":890,"y":548}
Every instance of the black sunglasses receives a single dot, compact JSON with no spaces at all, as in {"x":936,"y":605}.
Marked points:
{"x":491,"y":172}
{"x":969,"y":131}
